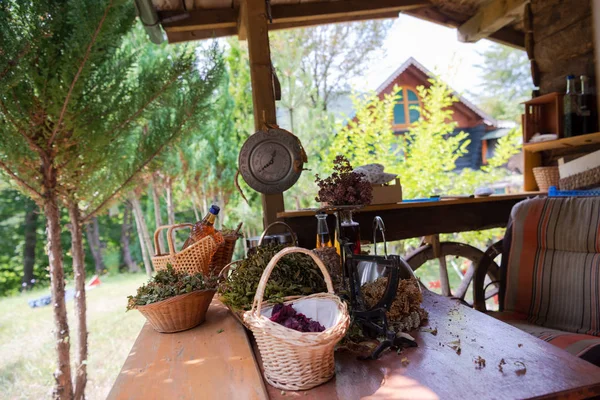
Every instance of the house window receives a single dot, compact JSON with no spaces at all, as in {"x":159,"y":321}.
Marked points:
{"x":404,"y":110}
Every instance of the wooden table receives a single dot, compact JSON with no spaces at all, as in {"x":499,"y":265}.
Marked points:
{"x":409,"y":220}
{"x":435,"y":370}
{"x":204,"y":364}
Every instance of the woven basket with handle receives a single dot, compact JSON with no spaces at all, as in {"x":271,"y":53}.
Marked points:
{"x":178,"y":313}
{"x":224,"y":253}
{"x":296,"y":360}
{"x":546,"y":177}
{"x":191,"y":260}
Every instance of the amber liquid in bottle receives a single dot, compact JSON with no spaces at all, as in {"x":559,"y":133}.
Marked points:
{"x":204,"y":228}
{"x":323,"y":237}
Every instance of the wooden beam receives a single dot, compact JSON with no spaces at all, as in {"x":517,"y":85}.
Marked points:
{"x":491,"y":18}
{"x":277,"y":25}
{"x":507,"y":35}
{"x":187,"y":36}
{"x":241,"y":21}
{"x":180,"y":21}
{"x":263,"y":96}
{"x":342,"y":9}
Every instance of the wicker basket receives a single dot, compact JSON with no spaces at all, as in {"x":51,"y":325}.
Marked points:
{"x":224,"y":253}
{"x":178,"y":313}
{"x":546,"y":177}
{"x":295,"y":360}
{"x":191,"y":260}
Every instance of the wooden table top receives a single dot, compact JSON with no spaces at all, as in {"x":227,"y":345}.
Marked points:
{"x":404,"y":205}
{"x":212,"y":361}
{"x":204,"y":364}
{"x":435,"y":370}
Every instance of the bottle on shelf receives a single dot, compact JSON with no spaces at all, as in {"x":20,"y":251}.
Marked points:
{"x":586,"y":108}
{"x":570,"y":117}
{"x":203,"y":228}
{"x":323,"y":238}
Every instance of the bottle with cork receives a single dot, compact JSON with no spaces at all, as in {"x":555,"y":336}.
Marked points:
{"x":203,"y":228}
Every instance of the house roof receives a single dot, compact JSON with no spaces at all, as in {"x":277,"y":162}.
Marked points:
{"x":411,"y":62}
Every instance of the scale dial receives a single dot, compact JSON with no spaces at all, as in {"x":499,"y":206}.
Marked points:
{"x":271,"y":160}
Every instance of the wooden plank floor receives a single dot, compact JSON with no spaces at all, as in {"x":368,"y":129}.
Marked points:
{"x":200,"y":363}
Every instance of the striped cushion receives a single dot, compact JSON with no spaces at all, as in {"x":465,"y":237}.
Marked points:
{"x":553,"y":269}
{"x":585,"y":346}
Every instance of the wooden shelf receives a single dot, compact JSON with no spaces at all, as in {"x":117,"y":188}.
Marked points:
{"x":575,"y":141}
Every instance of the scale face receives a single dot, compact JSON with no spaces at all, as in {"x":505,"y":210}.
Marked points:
{"x":271,"y":160}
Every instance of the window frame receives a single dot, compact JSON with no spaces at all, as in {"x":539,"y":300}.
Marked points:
{"x":407,"y":104}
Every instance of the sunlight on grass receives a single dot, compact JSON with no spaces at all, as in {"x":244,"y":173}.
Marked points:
{"x":26,"y":342}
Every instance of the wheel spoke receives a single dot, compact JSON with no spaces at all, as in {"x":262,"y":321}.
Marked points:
{"x":464,"y":284}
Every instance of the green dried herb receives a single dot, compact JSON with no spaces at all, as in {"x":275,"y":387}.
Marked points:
{"x":165,"y":284}
{"x":295,"y":274}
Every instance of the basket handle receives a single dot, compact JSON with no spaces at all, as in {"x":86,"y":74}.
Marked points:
{"x":294,"y":237}
{"x":260,"y":290}
{"x":170,"y":236}
{"x":157,"y":248}
{"x":226,"y":268}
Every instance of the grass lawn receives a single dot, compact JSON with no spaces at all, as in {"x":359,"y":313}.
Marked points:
{"x":27,"y":356}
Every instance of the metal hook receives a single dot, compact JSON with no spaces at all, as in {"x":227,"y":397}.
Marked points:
{"x":379,"y":225}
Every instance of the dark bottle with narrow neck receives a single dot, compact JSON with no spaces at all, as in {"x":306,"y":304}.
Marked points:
{"x":587,"y":112}
{"x":570,"y":117}
{"x":203,"y":228}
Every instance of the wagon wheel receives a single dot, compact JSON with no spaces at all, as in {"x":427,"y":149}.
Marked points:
{"x":452,"y":250}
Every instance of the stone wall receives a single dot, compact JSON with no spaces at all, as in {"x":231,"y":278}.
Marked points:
{"x":563,"y":38}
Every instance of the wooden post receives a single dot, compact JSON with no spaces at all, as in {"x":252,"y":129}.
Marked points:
{"x":254,"y":18}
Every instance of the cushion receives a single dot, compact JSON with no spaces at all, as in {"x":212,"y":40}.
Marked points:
{"x":586,"y":347}
{"x":553,"y":268}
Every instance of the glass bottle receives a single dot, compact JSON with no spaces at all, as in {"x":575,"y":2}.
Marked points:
{"x":587,"y":116}
{"x":570,"y":116}
{"x":203,"y":228}
{"x":349,"y":231}
{"x":323,"y":238}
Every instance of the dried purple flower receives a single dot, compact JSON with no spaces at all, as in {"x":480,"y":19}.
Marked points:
{"x":344,"y":187}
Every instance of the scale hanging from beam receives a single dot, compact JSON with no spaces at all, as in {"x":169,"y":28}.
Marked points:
{"x":272,"y":160}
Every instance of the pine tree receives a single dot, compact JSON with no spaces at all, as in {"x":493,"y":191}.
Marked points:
{"x":85,"y":104}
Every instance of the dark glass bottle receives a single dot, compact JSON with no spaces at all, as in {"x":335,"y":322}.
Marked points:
{"x":203,"y":228}
{"x":586,"y":108}
{"x":570,"y":116}
{"x":350,"y":231}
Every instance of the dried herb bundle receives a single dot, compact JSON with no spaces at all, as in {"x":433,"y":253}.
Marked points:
{"x":165,"y":284}
{"x":344,"y":187}
{"x":295,"y":274}
{"x":406,"y":312}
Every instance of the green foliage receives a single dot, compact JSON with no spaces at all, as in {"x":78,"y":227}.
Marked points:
{"x":368,"y":136}
{"x":166,"y":284}
{"x":507,"y":82}
{"x":295,"y":274}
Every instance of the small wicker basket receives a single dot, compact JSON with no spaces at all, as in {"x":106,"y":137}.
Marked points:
{"x":546,"y":177}
{"x":224,"y":253}
{"x":191,"y":260}
{"x":296,"y":360}
{"x":178,"y":313}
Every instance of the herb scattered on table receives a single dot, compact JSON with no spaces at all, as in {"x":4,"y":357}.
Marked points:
{"x":286,"y":315}
{"x":344,"y":187}
{"x":455,"y":345}
{"x":295,"y":274}
{"x":479,"y":362}
{"x":166,"y":284}
{"x":405,"y":361}
{"x":434,"y":332}
{"x":221,"y":331}
{"x":522,"y":370}
{"x":520,"y":344}
{"x":500,"y":364}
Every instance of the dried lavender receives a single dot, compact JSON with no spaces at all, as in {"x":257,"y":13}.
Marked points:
{"x":344,"y":187}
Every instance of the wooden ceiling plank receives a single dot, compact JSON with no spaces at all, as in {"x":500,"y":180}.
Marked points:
{"x":242,"y":17}
{"x":276,"y":25}
{"x":490,"y":18}
{"x":303,"y":12}
{"x":182,"y":21}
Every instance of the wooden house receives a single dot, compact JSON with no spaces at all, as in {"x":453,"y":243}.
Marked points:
{"x":483,"y":130}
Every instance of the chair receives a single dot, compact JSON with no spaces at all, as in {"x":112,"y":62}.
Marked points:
{"x":550,"y":273}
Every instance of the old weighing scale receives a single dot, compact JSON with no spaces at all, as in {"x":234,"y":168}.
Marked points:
{"x":361,"y":269}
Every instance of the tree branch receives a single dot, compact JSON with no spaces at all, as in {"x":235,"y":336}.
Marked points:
{"x":78,"y":74}
{"x":137,"y":170}
{"x":34,"y":146}
{"x":21,"y":182}
{"x":13,"y":63}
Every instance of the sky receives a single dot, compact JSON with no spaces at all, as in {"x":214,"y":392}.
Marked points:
{"x":435,"y":47}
